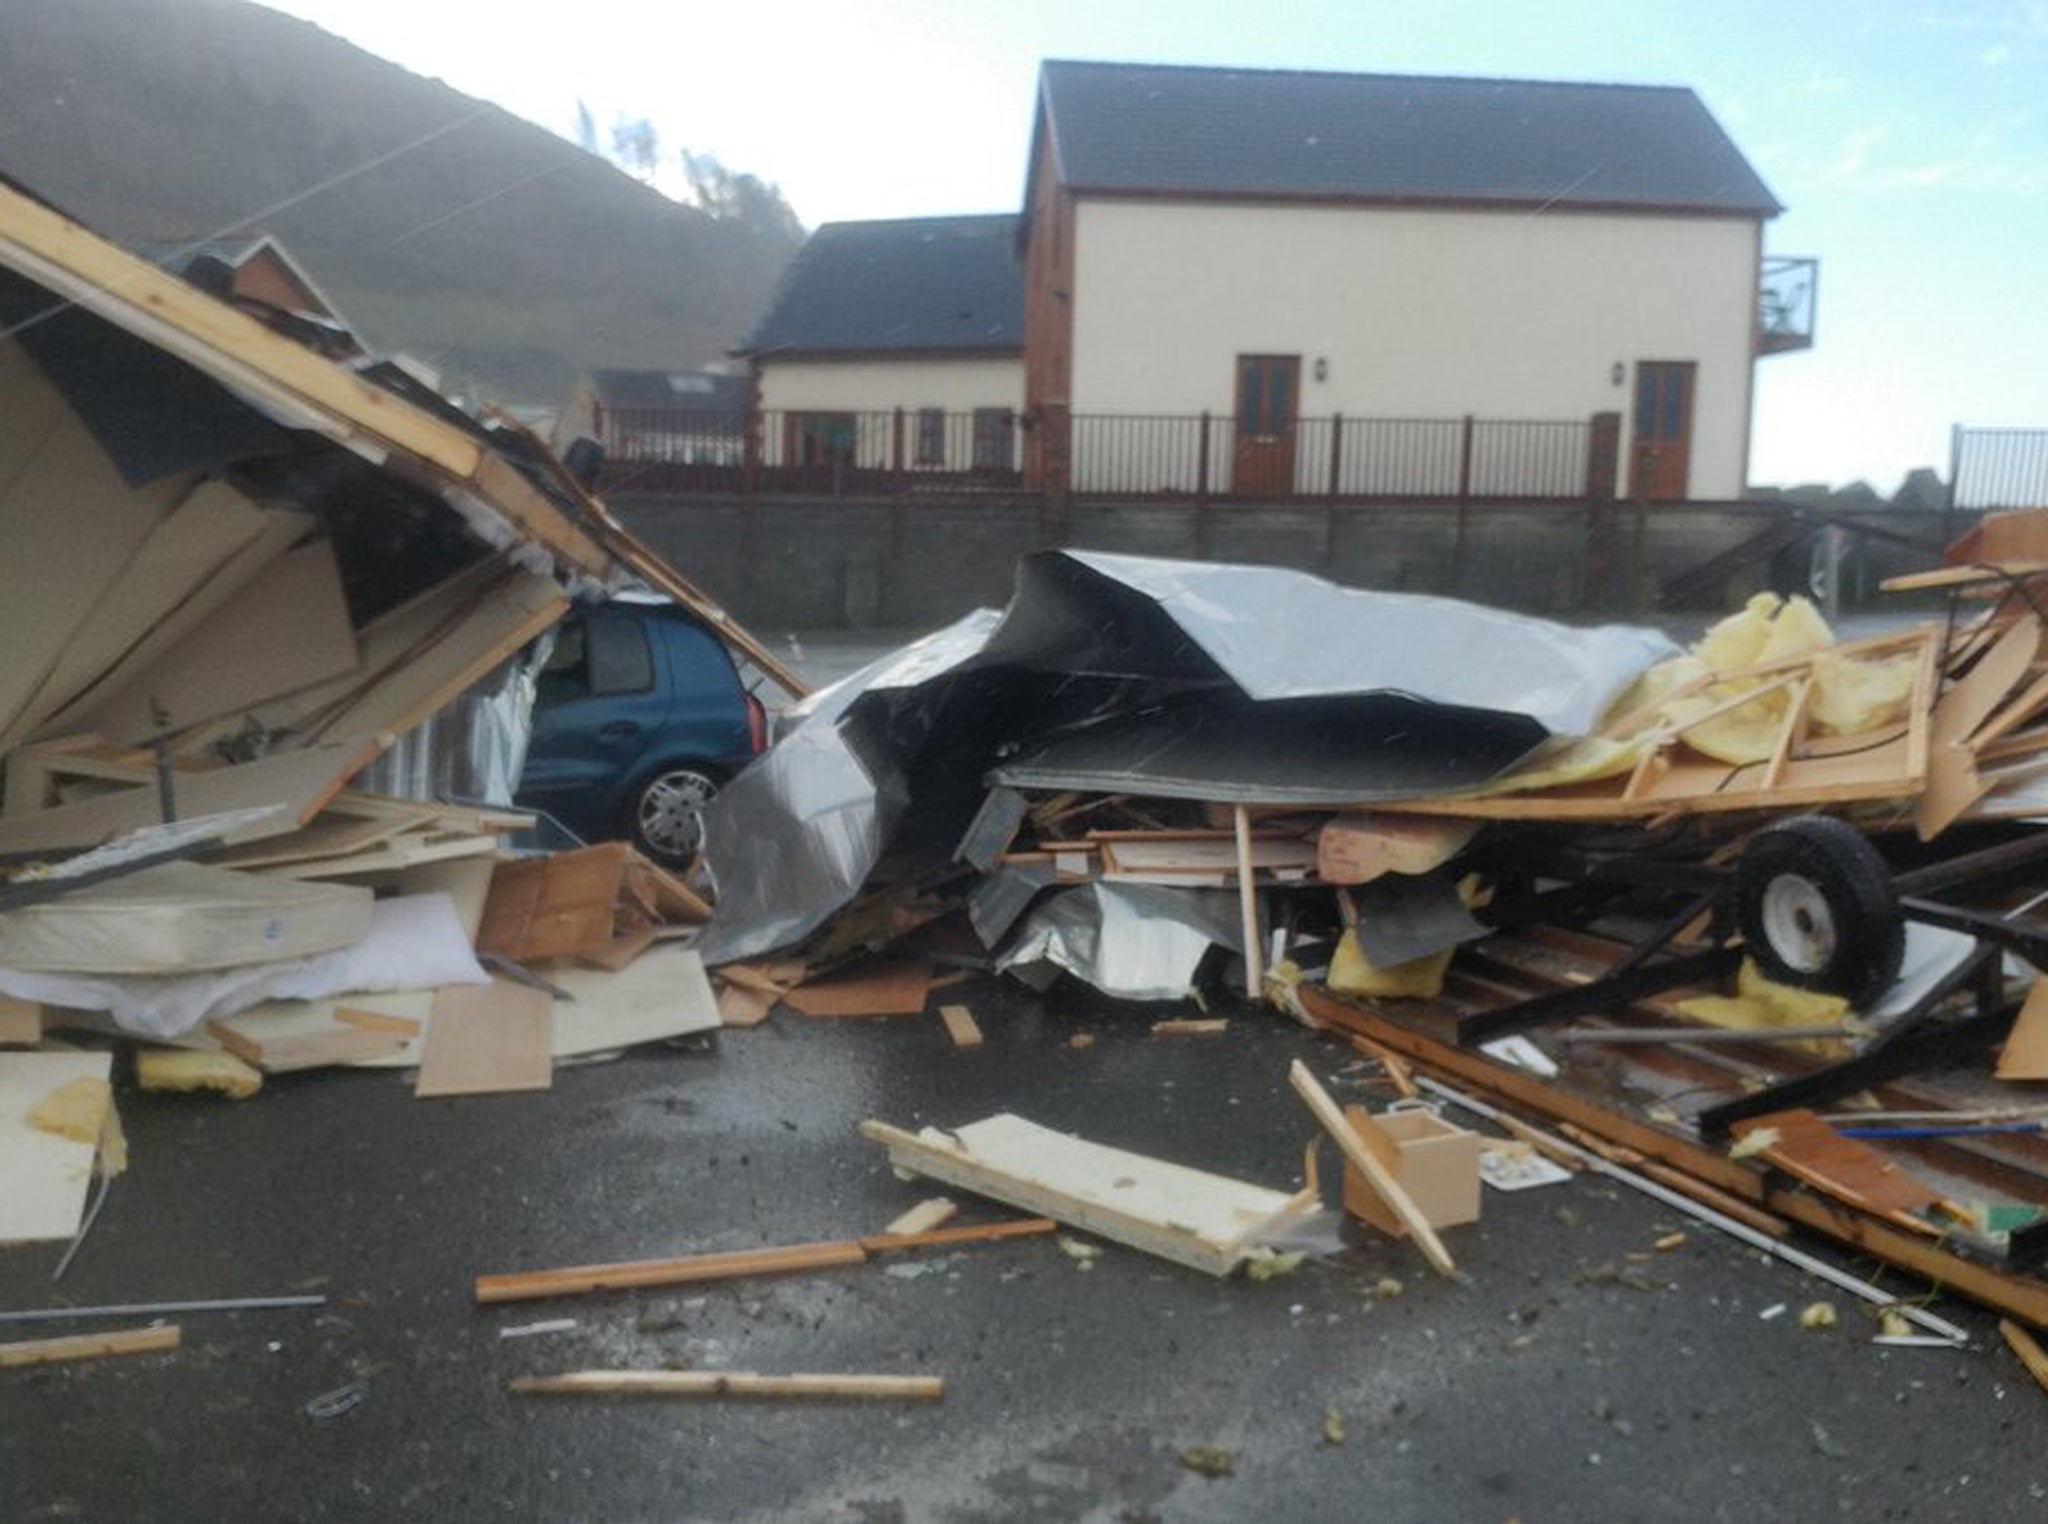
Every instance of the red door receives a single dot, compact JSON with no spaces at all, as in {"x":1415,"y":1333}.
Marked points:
{"x":1660,"y":458}
{"x":1268,"y":387}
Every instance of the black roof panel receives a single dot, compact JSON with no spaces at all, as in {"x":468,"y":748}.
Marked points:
{"x":920,"y":283}
{"x":1252,"y":132}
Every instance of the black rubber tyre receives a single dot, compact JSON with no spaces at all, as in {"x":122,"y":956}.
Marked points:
{"x":665,"y":818}
{"x":1818,"y":909}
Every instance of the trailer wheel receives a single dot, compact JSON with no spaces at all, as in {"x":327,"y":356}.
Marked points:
{"x":1818,"y":909}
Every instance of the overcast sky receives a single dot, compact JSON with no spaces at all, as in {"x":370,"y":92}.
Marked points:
{"x":1909,"y":141}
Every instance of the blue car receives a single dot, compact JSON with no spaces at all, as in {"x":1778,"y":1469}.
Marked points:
{"x":639,"y":718}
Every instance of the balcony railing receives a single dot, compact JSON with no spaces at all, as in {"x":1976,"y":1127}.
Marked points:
{"x":1786,"y":291}
{"x":915,"y":451}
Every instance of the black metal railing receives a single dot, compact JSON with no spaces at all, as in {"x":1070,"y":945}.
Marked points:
{"x":1119,"y":456}
{"x":1787,"y":289}
{"x":1350,"y":459}
{"x":2000,"y":468}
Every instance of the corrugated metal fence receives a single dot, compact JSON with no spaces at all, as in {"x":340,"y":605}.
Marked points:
{"x":2000,"y":468}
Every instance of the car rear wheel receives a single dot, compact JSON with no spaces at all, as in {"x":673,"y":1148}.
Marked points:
{"x":667,"y":821}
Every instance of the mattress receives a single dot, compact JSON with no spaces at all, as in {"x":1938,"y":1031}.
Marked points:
{"x":180,"y":917}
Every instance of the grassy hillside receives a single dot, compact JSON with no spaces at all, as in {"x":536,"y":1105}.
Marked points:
{"x":495,"y":250}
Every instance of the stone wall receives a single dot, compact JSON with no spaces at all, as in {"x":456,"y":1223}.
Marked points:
{"x":845,"y":564}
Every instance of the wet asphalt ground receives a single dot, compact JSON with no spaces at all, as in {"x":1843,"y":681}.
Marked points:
{"x":1575,"y":1373}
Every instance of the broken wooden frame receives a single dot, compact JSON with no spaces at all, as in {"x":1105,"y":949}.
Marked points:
{"x":203,"y":611}
{"x":1696,"y":1163}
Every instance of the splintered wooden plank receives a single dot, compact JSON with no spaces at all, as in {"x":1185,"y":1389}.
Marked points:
{"x":378,"y":1021}
{"x":553,"y":907}
{"x":1846,"y":1168}
{"x":581,"y":1280}
{"x":741,"y":1006}
{"x":2025,"y":1055}
{"x":330,"y":836}
{"x":665,"y":1383}
{"x":340,"y":1043}
{"x":485,"y":1039}
{"x":960,"y":1026}
{"x":1954,"y":783}
{"x":669,"y":898}
{"x":928,"y":1214}
{"x":92,"y":1346}
{"x":1356,"y":849}
{"x":879,"y":989}
{"x":1207,"y":1222}
{"x":620,"y":952}
{"x":1174,"y":859}
{"x":2028,"y":1348}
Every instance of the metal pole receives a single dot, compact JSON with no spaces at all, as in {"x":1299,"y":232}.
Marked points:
{"x":161,"y":1309}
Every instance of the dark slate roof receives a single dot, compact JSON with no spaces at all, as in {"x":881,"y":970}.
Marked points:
{"x":921,"y":283}
{"x":664,"y":391}
{"x":1249,"y":132}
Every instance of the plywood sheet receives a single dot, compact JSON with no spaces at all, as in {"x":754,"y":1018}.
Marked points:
{"x":286,"y":630}
{"x":551,"y":907}
{"x":302,"y":781}
{"x":1206,"y":1221}
{"x":1846,"y":1168}
{"x":43,"y":1178}
{"x":69,"y":524}
{"x":876,"y":989}
{"x":486,"y":1039}
{"x":198,"y":556}
{"x":417,"y":657}
{"x":663,"y":995}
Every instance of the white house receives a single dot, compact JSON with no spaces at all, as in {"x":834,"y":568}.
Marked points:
{"x":895,"y":345}
{"x":1259,"y":283}
{"x":1283,"y":249}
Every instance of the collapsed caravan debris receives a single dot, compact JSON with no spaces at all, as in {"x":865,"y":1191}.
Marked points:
{"x":237,"y":571}
{"x":1172,"y":680}
{"x":1568,"y":885}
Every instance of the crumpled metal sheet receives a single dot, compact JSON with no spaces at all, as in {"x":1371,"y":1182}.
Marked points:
{"x":1168,"y":677}
{"x":1131,"y":941}
{"x":795,"y":835}
{"x":472,"y":749}
{"x":1281,"y":634}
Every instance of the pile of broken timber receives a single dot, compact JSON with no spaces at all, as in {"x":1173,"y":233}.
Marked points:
{"x":1930,"y":1167}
